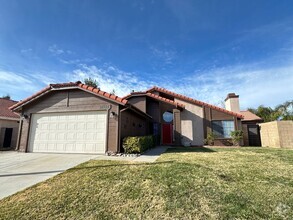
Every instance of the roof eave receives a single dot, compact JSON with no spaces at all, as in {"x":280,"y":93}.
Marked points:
{"x":99,"y":95}
{"x":138,"y":111}
{"x":104,"y":95}
{"x":80,"y":86}
{"x":16,"y":107}
{"x":253,"y":120}
{"x":177,"y":105}
{"x":9,"y":118}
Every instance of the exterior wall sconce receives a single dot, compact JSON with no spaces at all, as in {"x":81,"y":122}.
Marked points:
{"x":113,"y":114}
{"x":25,"y":116}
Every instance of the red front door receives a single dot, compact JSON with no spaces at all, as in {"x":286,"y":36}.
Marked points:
{"x":167,"y":130}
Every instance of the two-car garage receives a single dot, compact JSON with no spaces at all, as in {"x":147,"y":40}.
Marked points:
{"x":76,"y":118}
{"x":68,"y":132}
{"x":69,"y":118}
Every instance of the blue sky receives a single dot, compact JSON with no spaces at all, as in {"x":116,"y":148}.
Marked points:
{"x":203,"y":49}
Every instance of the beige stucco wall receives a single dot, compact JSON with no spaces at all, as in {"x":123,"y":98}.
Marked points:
{"x":192,"y":132}
{"x":9,"y":124}
{"x":277,"y":134}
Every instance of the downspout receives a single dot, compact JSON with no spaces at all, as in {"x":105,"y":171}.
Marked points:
{"x":18,"y":135}
{"x":28,"y":132}
{"x":210,"y":121}
{"x":107,"y":126}
{"x":204,"y":122}
{"x":236,"y":123}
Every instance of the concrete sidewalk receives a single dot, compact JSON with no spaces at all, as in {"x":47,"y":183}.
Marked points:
{"x":149,"y":156}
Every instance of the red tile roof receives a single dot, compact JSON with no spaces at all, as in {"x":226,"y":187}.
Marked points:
{"x":169,"y":101}
{"x":79,"y":85}
{"x":188,"y":99}
{"x":157,"y":97}
{"x":249,"y":116}
{"x":97,"y":91}
{"x":5,"y":112}
{"x":134,"y":93}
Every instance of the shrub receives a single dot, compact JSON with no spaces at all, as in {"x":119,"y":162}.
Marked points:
{"x":210,"y":139}
{"x":138,"y":144}
{"x":236,"y":136}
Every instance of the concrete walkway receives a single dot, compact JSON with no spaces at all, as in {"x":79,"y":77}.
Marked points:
{"x":149,"y":156}
{"x":21,"y":170}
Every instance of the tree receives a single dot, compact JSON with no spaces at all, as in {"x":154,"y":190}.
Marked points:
{"x":91,"y":82}
{"x":267,"y":113}
{"x":7,"y":96}
{"x":281,"y":112}
{"x":113,"y":92}
{"x":285,"y":110}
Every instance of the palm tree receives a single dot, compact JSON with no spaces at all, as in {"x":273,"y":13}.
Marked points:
{"x":281,"y":112}
{"x":285,"y":110}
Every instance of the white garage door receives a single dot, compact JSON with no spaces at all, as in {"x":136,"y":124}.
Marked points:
{"x":69,"y":132}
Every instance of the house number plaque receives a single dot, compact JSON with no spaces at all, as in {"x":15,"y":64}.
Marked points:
{"x":104,"y":107}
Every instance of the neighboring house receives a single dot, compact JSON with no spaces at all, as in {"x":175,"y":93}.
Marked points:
{"x":76,"y":118}
{"x":9,"y":123}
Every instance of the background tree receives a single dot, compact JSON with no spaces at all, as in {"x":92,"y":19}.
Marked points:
{"x":91,"y":82}
{"x":113,"y":92}
{"x":281,"y":112}
{"x":285,"y":110}
{"x":7,"y":96}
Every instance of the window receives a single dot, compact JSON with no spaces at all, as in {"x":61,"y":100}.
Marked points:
{"x":223,"y":129}
{"x":168,"y":117}
{"x":156,"y":128}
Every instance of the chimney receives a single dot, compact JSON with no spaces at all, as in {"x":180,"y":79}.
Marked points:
{"x":232,"y":102}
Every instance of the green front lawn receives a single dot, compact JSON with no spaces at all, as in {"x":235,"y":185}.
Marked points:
{"x":185,"y":183}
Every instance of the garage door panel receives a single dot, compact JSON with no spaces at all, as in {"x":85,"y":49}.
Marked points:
{"x":78,"y":132}
{"x":51,"y":146}
{"x":61,"y":126}
{"x":80,"y":125}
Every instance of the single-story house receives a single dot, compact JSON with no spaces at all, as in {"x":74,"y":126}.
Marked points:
{"x":9,"y":123}
{"x":77,"y":118}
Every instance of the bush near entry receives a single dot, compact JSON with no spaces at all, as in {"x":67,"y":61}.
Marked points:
{"x":210,"y":139}
{"x":236,"y":136}
{"x":139,"y":144}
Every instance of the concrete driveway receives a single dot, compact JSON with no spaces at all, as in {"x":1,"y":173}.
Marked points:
{"x":21,"y":170}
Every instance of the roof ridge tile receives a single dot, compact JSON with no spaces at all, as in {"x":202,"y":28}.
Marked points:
{"x":77,"y":84}
{"x":165,"y":99}
{"x":186,"y":98}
